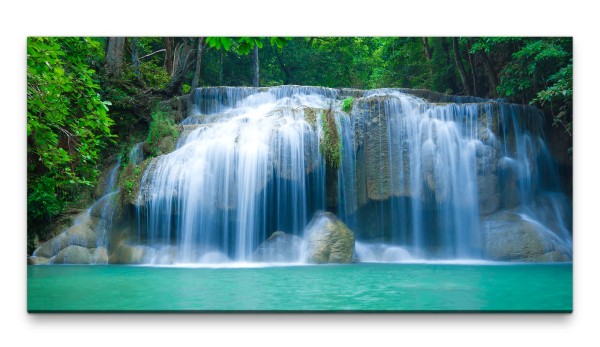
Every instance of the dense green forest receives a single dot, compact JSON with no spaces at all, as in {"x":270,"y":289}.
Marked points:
{"x":92,"y":98}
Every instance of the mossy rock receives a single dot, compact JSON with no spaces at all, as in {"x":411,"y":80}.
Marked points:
{"x":73,"y":255}
{"x":348,"y":104}
{"x":329,"y":240}
{"x":166,"y":145}
{"x":310,"y":116}
{"x":130,"y":180}
{"x":51,"y":247}
{"x":331,"y":144}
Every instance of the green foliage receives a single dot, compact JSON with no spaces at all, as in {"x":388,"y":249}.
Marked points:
{"x":43,"y":200}
{"x":560,"y":93}
{"x":331,"y":144}
{"x":219,"y":43}
{"x":130,"y":178}
{"x":243,"y":45}
{"x":154,"y":75}
{"x":129,"y":186}
{"x":347,"y":104}
{"x":67,"y":121}
{"x":400,"y":63}
{"x":246,"y":44}
{"x":540,"y":72}
{"x":162,"y":126}
{"x":186,"y":88}
{"x":279,"y":42}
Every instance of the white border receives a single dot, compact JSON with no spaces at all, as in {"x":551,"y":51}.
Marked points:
{"x":299,"y":18}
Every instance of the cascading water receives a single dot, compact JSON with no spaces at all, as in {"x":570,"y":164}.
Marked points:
{"x":106,"y":206}
{"x":415,"y":176}
{"x":136,"y":154}
{"x":243,"y":171}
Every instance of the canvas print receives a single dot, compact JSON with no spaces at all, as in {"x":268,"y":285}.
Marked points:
{"x":293,"y":174}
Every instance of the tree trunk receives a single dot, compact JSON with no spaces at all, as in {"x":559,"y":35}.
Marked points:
{"x":255,"y":79}
{"x":196,"y":79}
{"x":460,"y":66}
{"x":168,"y":55}
{"x":427,"y":51}
{"x":450,"y":75}
{"x":176,"y":57}
{"x":426,"y":48}
{"x":472,"y":67}
{"x":221,"y":69}
{"x":184,"y":60}
{"x":135,"y":59}
{"x":115,"y":48}
{"x":490,"y":72}
{"x":284,"y":68}
{"x":446,"y":49}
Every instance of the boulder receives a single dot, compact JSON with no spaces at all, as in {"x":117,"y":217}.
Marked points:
{"x":51,"y":247}
{"x":329,"y":240}
{"x":126,"y":254}
{"x":81,"y":235}
{"x":73,"y":255}
{"x":280,"y":247}
{"x":508,"y":236}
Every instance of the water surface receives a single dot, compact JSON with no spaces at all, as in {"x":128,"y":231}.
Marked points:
{"x":354,"y":287}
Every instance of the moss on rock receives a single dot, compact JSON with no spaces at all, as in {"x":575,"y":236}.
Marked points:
{"x":331,"y":144}
{"x":130,"y":180}
{"x":347,"y":104}
{"x":162,"y":126}
{"x":310,"y":116}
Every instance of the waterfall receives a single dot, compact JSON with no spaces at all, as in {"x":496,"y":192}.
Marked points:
{"x":107,"y":206}
{"x":136,"y":154}
{"x":416,"y":177}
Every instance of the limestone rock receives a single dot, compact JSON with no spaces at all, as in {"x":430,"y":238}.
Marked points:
{"x":104,"y":180}
{"x":329,"y":240}
{"x":81,"y":235}
{"x":508,"y":236}
{"x":100,"y":255}
{"x":51,"y":247}
{"x":126,"y":254}
{"x":73,"y":255}
{"x":488,"y":192}
{"x":280,"y":247}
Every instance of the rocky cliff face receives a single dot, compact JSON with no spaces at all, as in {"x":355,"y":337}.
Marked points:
{"x":446,"y":177}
